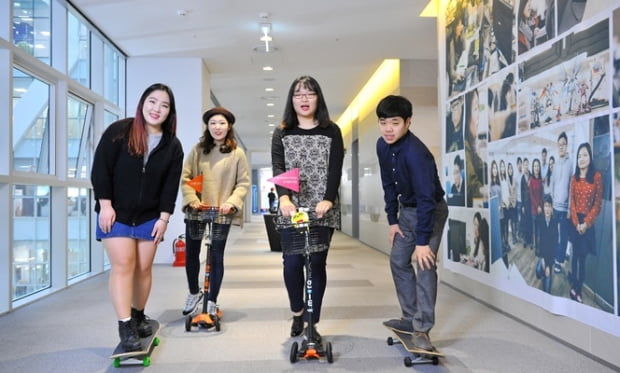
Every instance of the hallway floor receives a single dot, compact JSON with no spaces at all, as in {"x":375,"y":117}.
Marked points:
{"x":75,"y":330}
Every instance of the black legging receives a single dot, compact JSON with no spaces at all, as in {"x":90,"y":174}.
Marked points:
{"x":294,"y":272}
{"x":192,"y":261}
{"x":294,"y":279}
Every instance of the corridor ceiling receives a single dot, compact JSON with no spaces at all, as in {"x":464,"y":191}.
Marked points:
{"x":339,"y":42}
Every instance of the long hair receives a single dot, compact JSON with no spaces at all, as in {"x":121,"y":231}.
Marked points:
{"x":591,"y":170}
{"x":483,"y":237}
{"x":469,"y":98}
{"x":289,"y":119}
{"x":539,"y":176}
{"x":207,"y":142}
{"x":549,"y":172}
{"x":494,"y":178}
{"x":137,"y":134}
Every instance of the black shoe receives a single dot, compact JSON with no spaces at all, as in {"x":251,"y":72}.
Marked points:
{"x":142,"y":324}
{"x":421,"y":340}
{"x":315,"y":335}
{"x":402,"y":325}
{"x":130,"y":340}
{"x":298,"y":325}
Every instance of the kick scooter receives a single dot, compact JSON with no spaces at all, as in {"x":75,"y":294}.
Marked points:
{"x":201,"y":226}
{"x":309,"y":349}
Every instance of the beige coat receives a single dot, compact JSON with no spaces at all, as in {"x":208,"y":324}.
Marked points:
{"x":226,"y":178}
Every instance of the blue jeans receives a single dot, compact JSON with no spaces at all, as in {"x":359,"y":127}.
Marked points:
{"x":417,"y":294}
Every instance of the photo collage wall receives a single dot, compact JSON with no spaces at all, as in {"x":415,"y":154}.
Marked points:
{"x":531,"y":156}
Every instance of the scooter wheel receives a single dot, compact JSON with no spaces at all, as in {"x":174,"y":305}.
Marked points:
{"x":390,"y":341}
{"x":328,"y":352}
{"x":216,"y":321}
{"x":294,"y":350}
{"x":188,"y":323}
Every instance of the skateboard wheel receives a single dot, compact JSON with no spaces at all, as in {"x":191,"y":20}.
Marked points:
{"x":408,"y":362}
{"x":390,"y":341}
{"x":116,"y":363}
{"x":147,"y":361}
{"x":328,"y":352}
{"x":156,"y":341}
{"x":435,"y":360}
{"x":294,"y":350}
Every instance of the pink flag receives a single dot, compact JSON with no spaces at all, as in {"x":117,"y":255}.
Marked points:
{"x":288,"y":180}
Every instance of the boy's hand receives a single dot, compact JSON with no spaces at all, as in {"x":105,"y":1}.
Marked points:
{"x":394,"y":229}
{"x":424,"y":256}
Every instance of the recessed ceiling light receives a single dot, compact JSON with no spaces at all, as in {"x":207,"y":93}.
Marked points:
{"x":268,"y":89}
{"x":270,"y":104}
{"x":267,"y":68}
{"x":270,"y":116}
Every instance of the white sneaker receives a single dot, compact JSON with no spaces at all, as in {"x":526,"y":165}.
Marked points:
{"x":211,"y":307}
{"x":192,"y":302}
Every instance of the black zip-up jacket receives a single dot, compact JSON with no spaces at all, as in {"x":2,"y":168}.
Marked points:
{"x":138,"y":192}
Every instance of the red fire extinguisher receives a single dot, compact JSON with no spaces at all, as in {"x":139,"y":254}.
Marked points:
{"x":178,"y":249}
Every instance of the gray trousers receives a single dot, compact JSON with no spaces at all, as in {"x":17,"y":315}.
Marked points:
{"x":417,"y":292}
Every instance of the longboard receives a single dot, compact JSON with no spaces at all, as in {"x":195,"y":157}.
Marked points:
{"x":420,"y":356}
{"x":148,"y":343}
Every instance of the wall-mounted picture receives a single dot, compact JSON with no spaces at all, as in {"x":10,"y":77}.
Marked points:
{"x":479,"y":41}
{"x":568,"y":80}
{"x":561,"y":239}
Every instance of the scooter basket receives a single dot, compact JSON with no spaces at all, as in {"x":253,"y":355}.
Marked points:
{"x":196,"y":223}
{"x":197,"y":220}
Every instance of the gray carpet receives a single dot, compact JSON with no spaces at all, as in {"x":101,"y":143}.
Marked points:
{"x":75,"y":330}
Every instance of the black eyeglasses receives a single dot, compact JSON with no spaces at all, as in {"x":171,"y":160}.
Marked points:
{"x":307,"y":96}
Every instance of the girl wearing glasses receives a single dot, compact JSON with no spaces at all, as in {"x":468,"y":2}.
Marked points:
{"x":309,"y":140}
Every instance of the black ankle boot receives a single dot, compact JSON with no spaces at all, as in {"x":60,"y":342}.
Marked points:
{"x":144,"y":329}
{"x":130,"y":340}
{"x":298,"y":325}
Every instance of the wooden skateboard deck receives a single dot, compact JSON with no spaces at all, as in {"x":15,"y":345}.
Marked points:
{"x":420,"y":356}
{"x":148,"y":343}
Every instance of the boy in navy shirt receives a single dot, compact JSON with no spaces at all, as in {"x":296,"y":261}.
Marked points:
{"x":416,"y":212}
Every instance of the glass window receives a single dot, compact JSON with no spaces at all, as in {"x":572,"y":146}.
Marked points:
{"x":31,"y":28}
{"x":30,"y":123}
{"x":111,"y":74}
{"x":78,"y":217}
{"x":78,"y":50}
{"x":79,"y":138}
{"x":31,"y":239}
{"x":109,"y":118}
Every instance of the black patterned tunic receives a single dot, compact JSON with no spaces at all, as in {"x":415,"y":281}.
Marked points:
{"x":318,"y":153}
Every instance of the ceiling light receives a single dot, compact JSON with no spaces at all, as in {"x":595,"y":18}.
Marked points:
{"x":270,"y":104}
{"x":268,"y":89}
{"x":271,"y":116}
{"x":265,"y":28}
{"x":267,"y":68}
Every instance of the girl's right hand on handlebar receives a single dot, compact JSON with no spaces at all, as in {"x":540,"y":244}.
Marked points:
{"x":287,"y":207}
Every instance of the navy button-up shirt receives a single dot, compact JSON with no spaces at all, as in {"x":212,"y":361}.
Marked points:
{"x":409,"y":176}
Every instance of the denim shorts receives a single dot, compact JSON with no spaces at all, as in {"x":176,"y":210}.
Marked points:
{"x":138,"y":232}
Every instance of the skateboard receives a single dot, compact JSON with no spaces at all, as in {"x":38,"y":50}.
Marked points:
{"x":420,"y":356}
{"x":148,"y":343}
